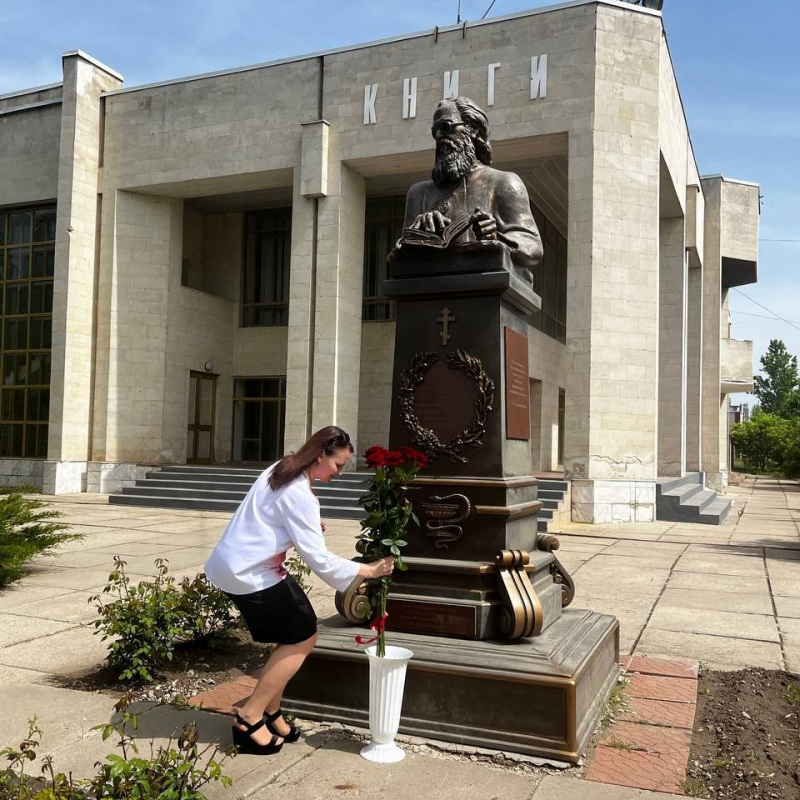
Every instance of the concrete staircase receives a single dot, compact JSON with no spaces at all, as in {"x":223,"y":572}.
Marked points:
{"x":552,"y":493}
{"x":221,"y":488}
{"x":686,"y":500}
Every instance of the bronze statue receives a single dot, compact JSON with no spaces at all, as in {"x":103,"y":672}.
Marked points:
{"x":467,"y":204}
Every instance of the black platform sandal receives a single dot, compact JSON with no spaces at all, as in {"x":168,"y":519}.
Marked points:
{"x":290,"y":737}
{"x":243,"y":741}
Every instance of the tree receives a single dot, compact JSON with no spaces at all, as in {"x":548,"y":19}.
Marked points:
{"x":778,"y":391}
{"x":761,"y":441}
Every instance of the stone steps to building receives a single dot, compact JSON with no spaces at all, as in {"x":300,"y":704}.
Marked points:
{"x":551,"y":493}
{"x":686,"y":499}
{"x":209,"y":488}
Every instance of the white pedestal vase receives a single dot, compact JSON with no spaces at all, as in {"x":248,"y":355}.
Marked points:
{"x":387,"y":678}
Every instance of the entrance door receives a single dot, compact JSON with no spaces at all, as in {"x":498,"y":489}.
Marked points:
{"x":202,"y":408}
{"x":259,"y":410}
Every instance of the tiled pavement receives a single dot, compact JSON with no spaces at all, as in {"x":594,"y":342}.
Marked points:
{"x":729,"y":596}
{"x":648,"y":746}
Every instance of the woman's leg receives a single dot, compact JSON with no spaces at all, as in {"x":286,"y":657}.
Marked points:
{"x":284,"y":662}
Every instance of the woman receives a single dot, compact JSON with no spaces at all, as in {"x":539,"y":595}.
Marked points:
{"x":279,"y":512}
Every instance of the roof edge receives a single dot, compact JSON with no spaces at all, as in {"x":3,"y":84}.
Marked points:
{"x":92,"y":60}
{"x":626,"y":6}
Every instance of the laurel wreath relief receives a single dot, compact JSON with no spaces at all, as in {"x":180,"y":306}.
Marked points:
{"x":426,"y":439}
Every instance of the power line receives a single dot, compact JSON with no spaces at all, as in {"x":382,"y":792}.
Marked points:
{"x":779,"y":240}
{"x":488,"y":9}
{"x":760,"y":316}
{"x":760,"y":305}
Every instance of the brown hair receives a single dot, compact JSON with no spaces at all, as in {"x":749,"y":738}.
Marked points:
{"x":325,"y":441}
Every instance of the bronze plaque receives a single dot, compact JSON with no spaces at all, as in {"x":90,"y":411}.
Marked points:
{"x":445,"y":401}
{"x":518,"y":404}
{"x":430,"y":616}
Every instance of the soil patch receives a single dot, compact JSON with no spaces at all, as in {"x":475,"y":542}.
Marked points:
{"x":746,"y":740}
{"x":194,"y":668}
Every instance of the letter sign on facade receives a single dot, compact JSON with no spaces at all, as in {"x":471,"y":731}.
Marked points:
{"x":451,"y":85}
{"x":370,"y":93}
{"x":490,"y":88}
{"x":409,"y":97}
{"x":538,"y":88}
{"x":538,"y":77}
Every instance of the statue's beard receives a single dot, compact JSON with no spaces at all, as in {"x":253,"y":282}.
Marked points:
{"x":454,"y":159}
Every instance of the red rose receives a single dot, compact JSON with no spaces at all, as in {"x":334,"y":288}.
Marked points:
{"x":415,"y":456}
{"x":394,"y":458}
{"x":376,"y":456}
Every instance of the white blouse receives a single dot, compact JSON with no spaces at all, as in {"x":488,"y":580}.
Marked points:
{"x":249,"y":557}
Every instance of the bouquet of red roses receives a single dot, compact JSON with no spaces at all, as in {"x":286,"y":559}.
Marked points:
{"x":382,"y":532}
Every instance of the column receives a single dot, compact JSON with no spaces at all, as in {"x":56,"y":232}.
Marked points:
{"x":612,"y":336}
{"x":672,"y":348}
{"x":76,"y":258}
{"x":694,"y":365}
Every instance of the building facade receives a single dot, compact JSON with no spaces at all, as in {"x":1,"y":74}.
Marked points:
{"x":192,"y":269}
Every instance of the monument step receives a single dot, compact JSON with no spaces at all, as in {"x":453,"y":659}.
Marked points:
{"x":470,"y":692}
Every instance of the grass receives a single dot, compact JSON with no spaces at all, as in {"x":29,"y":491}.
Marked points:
{"x":721,"y":763}
{"x":692,"y":787}
{"x":619,"y":744}
{"x":793,"y":694}
{"x":617,"y":703}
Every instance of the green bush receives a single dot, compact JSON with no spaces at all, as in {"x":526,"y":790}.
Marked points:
{"x":761,"y":441}
{"x":26,"y":530}
{"x":175,"y":772}
{"x":147,"y":620}
{"x":791,"y":451}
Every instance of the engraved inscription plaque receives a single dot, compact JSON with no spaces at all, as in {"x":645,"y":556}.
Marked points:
{"x":425,"y":616}
{"x":445,"y":401}
{"x":518,"y":408}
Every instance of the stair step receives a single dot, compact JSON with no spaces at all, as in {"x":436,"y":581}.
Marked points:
{"x":190,"y":469}
{"x":666,"y":485}
{"x":204,"y":493}
{"x":199,"y":479}
{"x":550,"y":494}
{"x":173,"y":502}
{"x":716,"y":512}
{"x":177,"y":482}
{"x":554,"y":485}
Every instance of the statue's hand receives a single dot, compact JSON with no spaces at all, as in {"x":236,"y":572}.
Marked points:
{"x":484,"y":225}
{"x":431,"y":221}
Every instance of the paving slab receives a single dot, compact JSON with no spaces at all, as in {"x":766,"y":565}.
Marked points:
{"x":753,"y":584}
{"x":558,"y":788}
{"x":787,"y":606}
{"x":73,"y":650}
{"x":790,"y":630}
{"x":652,"y":771}
{"x":761,"y":627}
{"x":718,"y":652}
{"x":71,"y":607}
{"x":24,"y":592}
{"x":335,"y":770}
{"x":717,"y":601}
{"x":15,"y":629}
{"x":748,"y":565}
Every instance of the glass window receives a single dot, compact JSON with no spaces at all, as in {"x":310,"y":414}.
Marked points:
{"x":27,"y":261}
{"x":259,"y":409}
{"x":383,"y":227}
{"x":550,"y":280}
{"x":268,"y":244}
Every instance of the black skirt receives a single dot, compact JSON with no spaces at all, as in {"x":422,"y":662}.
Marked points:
{"x":280,"y":614}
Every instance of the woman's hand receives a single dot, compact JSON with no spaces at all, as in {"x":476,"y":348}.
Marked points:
{"x":377,"y":569}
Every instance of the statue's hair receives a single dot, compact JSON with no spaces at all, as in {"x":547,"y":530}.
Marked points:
{"x":479,"y":124}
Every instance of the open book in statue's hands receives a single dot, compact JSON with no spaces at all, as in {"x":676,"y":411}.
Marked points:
{"x":441,"y":240}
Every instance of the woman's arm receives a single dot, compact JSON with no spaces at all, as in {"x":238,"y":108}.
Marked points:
{"x":300,"y":513}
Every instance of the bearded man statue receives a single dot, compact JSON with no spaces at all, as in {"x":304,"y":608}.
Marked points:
{"x":464,"y":183}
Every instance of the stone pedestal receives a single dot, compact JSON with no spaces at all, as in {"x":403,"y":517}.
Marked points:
{"x":459,"y":315}
{"x":539,"y":696}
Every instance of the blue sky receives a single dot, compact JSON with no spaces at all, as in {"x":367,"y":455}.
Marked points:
{"x":736,"y":61}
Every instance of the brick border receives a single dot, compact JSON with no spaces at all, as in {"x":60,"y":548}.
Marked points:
{"x":648,"y":747}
